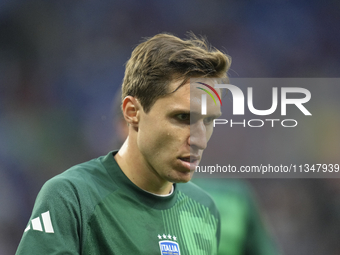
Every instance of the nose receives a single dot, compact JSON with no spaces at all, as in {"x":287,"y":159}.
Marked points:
{"x":198,"y":136}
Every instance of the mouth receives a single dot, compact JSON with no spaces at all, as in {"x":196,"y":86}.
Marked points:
{"x":190,"y":162}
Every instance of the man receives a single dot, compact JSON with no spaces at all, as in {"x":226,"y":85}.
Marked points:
{"x":134,"y":201}
{"x":243,"y":229}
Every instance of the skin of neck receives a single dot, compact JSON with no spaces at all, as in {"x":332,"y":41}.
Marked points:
{"x":134,"y":166}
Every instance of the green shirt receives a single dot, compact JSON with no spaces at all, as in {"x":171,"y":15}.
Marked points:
{"x":93,"y":208}
{"x":243,"y":230}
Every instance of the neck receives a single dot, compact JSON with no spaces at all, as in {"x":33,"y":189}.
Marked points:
{"x":134,"y":166}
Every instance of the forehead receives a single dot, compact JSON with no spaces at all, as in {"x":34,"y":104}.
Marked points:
{"x":178,"y":97}
{"x":189,"y":86}
{"x":188,"y":96}
{"x":207,"y":85}
{"x":204,"y":88}
{"x":179,"y":92}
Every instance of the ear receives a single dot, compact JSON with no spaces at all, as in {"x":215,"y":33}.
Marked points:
{"x":131,"y":108}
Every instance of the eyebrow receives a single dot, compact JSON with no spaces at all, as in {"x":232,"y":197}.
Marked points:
{"x":208,"y":115}
{"x":217,"y":115}
{"x":181,"y":110}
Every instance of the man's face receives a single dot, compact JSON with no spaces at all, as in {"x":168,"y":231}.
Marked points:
{"x":173,"y":134}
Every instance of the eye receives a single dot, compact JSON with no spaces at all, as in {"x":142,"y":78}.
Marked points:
{"x":183,"y":117}
{"x":208,"y":120}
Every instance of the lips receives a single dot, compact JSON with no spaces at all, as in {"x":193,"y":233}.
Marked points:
{"x":190,"y":162}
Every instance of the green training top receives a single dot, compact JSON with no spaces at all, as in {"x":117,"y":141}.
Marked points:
{"x":93,"y":208}
{"x":243,"y":229}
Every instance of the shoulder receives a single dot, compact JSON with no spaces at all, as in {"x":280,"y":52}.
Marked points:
{"x":85,"y":182}
{"x":73,"y":177}
{"x":60,"y":210}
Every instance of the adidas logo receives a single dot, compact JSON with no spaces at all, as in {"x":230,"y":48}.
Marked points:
{"x":36,"y":223}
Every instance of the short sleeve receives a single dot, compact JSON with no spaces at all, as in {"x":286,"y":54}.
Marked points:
{"x":54,"y":226}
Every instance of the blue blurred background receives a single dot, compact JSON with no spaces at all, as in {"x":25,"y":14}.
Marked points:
{"x":61,"y":63}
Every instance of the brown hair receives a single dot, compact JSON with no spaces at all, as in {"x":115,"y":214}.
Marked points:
{"x":160,"y":59}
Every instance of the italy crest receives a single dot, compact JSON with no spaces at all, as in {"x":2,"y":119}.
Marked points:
{"x":168,"y":246}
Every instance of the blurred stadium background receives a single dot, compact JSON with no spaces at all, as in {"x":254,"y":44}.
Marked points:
{"x":61,"y":63}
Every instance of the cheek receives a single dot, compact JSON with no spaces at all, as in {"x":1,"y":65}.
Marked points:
{"x":153,"y":139}
{"x":166,"y":139}
{"x":209,"y":132}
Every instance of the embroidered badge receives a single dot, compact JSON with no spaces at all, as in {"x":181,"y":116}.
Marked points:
{"x":168,"y":246}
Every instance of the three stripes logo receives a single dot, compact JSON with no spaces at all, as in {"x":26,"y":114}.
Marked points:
{"x":46,"y":223}
{"x":204,"y":97}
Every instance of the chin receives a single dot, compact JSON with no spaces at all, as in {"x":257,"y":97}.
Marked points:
{"x":181,"y":178}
